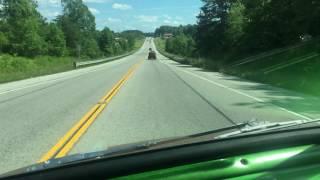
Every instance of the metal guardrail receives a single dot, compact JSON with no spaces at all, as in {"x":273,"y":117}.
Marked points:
{"x":99,"y":61}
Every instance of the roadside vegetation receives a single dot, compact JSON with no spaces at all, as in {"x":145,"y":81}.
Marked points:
{"x":275,"y":42}
{"x":31,"y":46}
{"x":15,"y":68}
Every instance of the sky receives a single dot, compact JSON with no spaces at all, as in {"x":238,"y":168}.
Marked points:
{"x":144,"y":15}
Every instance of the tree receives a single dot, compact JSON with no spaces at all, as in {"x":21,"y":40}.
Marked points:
{"x":270,"y":24}
{"x":132,"y":36}
{"x":24,"y":32}
{"x":235,"y":23}
{"x":22,"y":24}
{"x":90,"y":48}
{"x":212,"y":25}
{"x":3,"y":28}
{"x":307,"y":16}
{"x":78,"y":25}
{"x":182,"y":44}
{"x":106,"y":40}
{"x":55,"y":39}
{"x":116,"y":48}
{"x":3,"y":41}
{"x":123,"y":44}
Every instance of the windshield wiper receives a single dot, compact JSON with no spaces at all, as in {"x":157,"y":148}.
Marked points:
{"x":251,"y":127}
{"x":129,"y":148}
{"x":256,"y":126}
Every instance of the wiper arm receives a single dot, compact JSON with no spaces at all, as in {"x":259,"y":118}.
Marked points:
{"x":255,"y":126}
{"x":123,"y":149}
{"x":247,"y":127}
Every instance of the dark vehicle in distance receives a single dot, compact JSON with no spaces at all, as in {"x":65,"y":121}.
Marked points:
{"x":152,"y":55}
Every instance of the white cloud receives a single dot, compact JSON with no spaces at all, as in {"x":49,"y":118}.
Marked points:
{"x":112,"y":20}
{"x":121,"y":6}
{"x":167,"y":17}
{"x":94,"y":11}
{"x":149,"y":19}
{"x":176,"y":23}
{"x":130,"y":27}
{"x":179,"y":18}
{"x":173,"y":23}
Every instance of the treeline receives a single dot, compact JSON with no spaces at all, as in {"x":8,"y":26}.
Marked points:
{"x":230,"y":29}
{"x":25,"y":32}
{"x":182,"y":41}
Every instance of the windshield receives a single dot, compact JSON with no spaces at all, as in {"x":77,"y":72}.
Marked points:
{"x":82,"y":76}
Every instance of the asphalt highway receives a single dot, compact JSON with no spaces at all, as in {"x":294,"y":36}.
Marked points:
{"x":146,"y":100}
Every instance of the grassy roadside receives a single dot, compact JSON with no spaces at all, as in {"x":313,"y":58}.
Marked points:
{"x":197,"y":62}
{"x":295,"y":68}
{"x":17,"y":68}
{"x":138,"y":44}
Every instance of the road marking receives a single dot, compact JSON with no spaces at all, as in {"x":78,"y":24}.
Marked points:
{"x":66,"y":143}
{"x":244,"y":94}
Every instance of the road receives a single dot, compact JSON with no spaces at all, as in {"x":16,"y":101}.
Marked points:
{"x":158,"y":99}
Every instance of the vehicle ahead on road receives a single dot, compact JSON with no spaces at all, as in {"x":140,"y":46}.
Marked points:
{"x":152,"y":55}
{"x":104,"y":105}
{"x":253,"y":150}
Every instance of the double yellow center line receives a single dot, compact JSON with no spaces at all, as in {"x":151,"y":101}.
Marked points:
{"x":66,"y":143}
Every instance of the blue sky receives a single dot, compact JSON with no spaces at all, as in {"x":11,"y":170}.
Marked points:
{"x":145,"y":15}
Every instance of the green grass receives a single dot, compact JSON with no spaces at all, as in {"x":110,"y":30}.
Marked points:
{"x":285,"y":56}
{"x":138,"y":44}
{"x":17,"y":68}
{"x":197,"y":62}
{"x":160,"y":44}
{"x":301,"y":77}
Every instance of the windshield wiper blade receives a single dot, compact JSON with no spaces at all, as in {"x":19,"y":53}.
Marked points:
{"x":129,"y":148}
{"x":256,"y":126}
{"x":242,"y":128}
{"x":252,"y":126}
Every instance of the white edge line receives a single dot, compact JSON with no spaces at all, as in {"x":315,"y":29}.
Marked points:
{"x":244,"y":94}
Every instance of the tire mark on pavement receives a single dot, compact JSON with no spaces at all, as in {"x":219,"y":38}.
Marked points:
{"x":201,"y":96}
